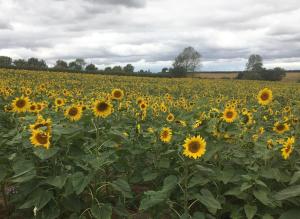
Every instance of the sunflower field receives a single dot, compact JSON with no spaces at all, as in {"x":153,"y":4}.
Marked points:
{"x":95,"y":146}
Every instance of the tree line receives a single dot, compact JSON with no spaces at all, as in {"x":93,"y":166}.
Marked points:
{"x":187,"y":61}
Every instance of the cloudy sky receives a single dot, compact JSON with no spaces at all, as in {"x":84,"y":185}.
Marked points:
{"x":150,"y":33}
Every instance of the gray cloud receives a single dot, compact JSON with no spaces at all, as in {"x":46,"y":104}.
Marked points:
{"x":150,"y":33}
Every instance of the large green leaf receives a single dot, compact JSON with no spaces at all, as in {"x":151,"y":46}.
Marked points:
{"x":263,"y":197}
{"x":288,"y":192}
{"x":295,"y":177}
{"x":291,"y":214}
{"x":104,"y":211}
{"x":207,"y":199}
{"x":39,"y":198}
{"x":250,"y":211}
{"x":123,"y":187}
{"x":24,"y":171}
{"x":79,"y":182}
{"x":45,"y":154}
{"x":57,"y":181}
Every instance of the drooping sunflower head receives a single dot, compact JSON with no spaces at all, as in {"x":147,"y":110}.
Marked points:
{"x":117,"y":94}
{"x":265,"y":96}
{"x":73,"y":113}
{"x":102,"y":108}
{"x":166,"y":135}
{"x":229,"y":114}
{"x":287,"y":148}
{"x":281,"y":127}
{"x":40,"y":138}
{"x":194,"y":147}
{"x":170,"y":117}
{"x":42,"y":124}
{"x":20,"y":104}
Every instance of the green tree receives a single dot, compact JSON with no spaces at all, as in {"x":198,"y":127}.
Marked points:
{"x":61,"y":64}
{"x":164,"y":70}
{"x":128,"y":68}
{"x":117,"y":69}
{"x":35,"y":63}
{"x":5,"y":61}
{"x":20,"y":63}
{"x":255,"y":63}
{"x":107,"y":69}
{"x":91,"y":67}
{"x":189,"y":59}
{"x":77,"y":65}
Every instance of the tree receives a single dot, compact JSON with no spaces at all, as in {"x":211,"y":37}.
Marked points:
{"x":77,"y":65}
{"x":20,"y":63}
{"x":107,"y":69}
{"x":128,"y":68}
{"x":275,"y":74}
{"x":91,"y":67}
{"x":178,"y":71}
{"x":164,"y":70}
{"x":189,"y":59}
{"x":117,"y":69}
{"x":5,"y":61}
{"x":61,"y":64}
{"x":35,"y":63}
{"x":255,"y":63}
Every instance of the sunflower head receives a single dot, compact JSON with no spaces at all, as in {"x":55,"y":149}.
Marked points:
{"x":287,"y":148}
{"x":20,"y":104}
{"x":229,"y":114}
{"x":102,"y":108}
{"x":166,"y":135}
{"x":170,"y":117}
{"x":73,"y":113}
{"x":40,"y":138}
{"x":117,"y":94}
{"x":281,"y":127}
{"x":265,"y":96}
{"x":59,"y":102}
{"x":194,"y":147}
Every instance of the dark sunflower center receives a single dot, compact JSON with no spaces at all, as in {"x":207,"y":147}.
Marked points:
{"x":102,"y":106}
{"x":73,"y":111}
{"x":229,"y":114}
{"x":287,"y":149}
{"x":20,"y":103}
{"x":32,"y":107}
{"x":143,"y":106}
{"x":264,"y":96}
{"x":59,"y":102}
{"x":194,"y":146}
{"x":117,"y":94}
{"x":280,"y":127}
{"x":42,"y":138}
{"x":165,"y":134}
{"x":246,"y":118}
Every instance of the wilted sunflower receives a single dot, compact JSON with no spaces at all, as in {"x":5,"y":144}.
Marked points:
{"x":102,"y":108}
{"x":166,"y":135}
{"x":194,"y":147}
{"x":40,"y":138}
{"x":265,"y":96}
{"x":229,"y":114}
{"x":73,"y":113}
{"x":281,"y":127}
{"x":117,"y":94}
{"x":287,"y":148}
{"x":20,"y":104}
{"x":170,"y":117}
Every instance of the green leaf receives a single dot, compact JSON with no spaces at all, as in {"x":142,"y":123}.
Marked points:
{"x":288,"y":192}
{"x":150,"y":176}
{"x":250,"y":211}
{"x":39,"y":198}
{"x":207,"y":199}
{"x":101,"y":212}
{"x":291,"y":214}
{"x":45,"y":154}
{"x":198,"y":215}
{"x":245,"y":186}
{"x":57,"y":181}
{"x":262,"y":196}
{"x":123,"y":187}
{"x":24,"y":171}
{"x":79,"y":182}
{"x":295,"y":177}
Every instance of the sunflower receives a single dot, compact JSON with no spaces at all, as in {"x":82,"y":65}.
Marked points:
{"x":32,"y":108}
{"x":166,"y":135}
{"x":170,"y":117}
{"x":59,"y":102}
{"x":102,"y":108}
{"x":117,"y":94}
{"x":265,"y":96}
{"x":20,"y":104}
{"x":247,"y":118}
{"x":40,"y":138}
{"x":143,"y":105}
{"x":197,"y":124}
{"x":73,"y":113}
{"x":42,"y":124}
{"x":281,"y":127}
{"x":194,"y":147}
{"x":229,"y":114}
{"x":287,"y":148}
